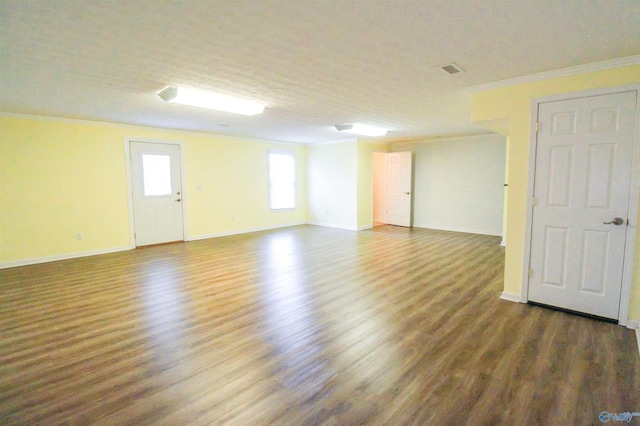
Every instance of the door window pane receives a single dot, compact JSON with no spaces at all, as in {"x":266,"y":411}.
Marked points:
{"x":156,"y":170}
{"x":282,"y":183}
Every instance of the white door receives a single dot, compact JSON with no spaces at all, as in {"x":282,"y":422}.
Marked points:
{"x":581,"y":185}
{"x":399,"y":188}
{"x":157,"y":192}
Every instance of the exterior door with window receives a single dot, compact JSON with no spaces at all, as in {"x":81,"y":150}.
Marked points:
{"x":582,"y":178}
{"x":157,"y":192}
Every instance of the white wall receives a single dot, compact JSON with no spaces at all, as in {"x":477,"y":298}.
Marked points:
{"x":459,"y":183}
{"x":332,"y":184}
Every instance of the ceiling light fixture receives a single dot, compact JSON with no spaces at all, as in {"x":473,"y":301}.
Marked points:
{"x":202,"y":99}
{"x":362,"y":129}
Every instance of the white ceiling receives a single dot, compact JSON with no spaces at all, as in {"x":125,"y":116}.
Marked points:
{"x":315,"y":63}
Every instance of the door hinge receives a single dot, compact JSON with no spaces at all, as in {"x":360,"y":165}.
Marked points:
{"x":537,"y":126}
{"x":533,"y":201}
{"x":529,"y":272}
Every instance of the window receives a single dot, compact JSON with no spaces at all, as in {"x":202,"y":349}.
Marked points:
{"x":156,"y":170}
{"x":282,"y":181}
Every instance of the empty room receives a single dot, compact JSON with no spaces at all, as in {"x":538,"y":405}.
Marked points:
{"x":335,"y":212}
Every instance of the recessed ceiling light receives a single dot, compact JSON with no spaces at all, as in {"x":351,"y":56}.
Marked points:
{"x":362,"y":129}
{"x":202,"y":99}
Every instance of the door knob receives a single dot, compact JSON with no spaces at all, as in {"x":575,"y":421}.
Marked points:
{"x":407,"y":193}
{"x":178,"y":200}
{"x":617,"y":221}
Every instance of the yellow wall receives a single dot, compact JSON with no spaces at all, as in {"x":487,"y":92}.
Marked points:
{"x":58,"y":178}
{"x":508,"y":110}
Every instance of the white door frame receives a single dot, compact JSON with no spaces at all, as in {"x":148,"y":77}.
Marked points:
{"x":127,"y":142}
{"x":632,"y":214}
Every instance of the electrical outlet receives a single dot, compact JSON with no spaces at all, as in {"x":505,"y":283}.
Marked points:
{"x":79,"y":236}
{"x":233,"y":218}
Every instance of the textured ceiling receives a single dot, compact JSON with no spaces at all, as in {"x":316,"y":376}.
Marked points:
{"x":314,"y":63}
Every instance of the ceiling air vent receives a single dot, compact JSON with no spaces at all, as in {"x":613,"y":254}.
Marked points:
{"x":451,"y":68}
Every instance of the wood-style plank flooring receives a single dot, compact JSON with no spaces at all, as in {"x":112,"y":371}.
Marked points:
{"x":301,"y":326}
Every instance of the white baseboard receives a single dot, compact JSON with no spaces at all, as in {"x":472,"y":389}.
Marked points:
{"x":65,"y":256}
{"x":240,"y":231}
{"x":333,"y":225}
{"x":455,"y":229}
{"x":54,"y":258}
{"x":503,"y":243}
{"x":511,"y":297}
{"x":362,"y":228}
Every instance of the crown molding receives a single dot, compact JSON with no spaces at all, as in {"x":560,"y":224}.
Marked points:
{"x":431,"y":139}
{"x":564,"y":72}
{"x":332,"y":142}
{"x":140,"y":127}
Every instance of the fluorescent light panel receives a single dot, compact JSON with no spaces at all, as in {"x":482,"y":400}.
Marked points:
{"x":362,"y":129}
{"x":202,"y":99}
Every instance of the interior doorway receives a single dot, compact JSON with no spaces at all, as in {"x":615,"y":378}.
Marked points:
{"x":379,"y":188}
{"x":392,"y":188}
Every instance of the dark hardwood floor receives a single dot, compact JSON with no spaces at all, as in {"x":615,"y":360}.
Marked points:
{"x":301,"y":326}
